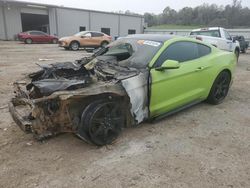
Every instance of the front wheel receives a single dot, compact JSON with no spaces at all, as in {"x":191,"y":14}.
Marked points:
{"x":28,"y":41}
{"x":220,"y":88}
{"x":102,"y":121}
{"x":54,"y":41}
{"x":74,"y":46}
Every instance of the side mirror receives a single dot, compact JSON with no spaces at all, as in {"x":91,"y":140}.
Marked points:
{"x":234,"y":39}
{"x":168,"y":64}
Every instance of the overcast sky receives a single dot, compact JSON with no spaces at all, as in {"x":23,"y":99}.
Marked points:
{"x":138,"y":6}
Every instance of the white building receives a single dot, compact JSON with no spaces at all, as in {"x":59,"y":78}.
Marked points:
{"x":16,"y":16}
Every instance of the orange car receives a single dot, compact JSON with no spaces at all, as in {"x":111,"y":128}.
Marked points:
{"x":91,"y":39}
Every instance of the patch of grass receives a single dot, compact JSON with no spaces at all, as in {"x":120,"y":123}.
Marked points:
{"x":172,"y":26}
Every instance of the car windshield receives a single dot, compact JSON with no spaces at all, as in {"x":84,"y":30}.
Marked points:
{"x":80,"y":34}
{"x":133,"y":52}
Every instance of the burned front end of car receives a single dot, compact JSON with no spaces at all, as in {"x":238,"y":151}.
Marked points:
{"x":52,"y":102}
{"x":43,"y":118}
{"x":73,"y":96}
{"x":38,"y":108}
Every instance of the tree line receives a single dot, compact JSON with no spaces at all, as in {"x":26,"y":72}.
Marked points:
{"x":229,"y":16}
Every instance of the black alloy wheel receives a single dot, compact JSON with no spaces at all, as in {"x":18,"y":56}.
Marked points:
{"x":220,"y":88}
{"x":102,"y":122}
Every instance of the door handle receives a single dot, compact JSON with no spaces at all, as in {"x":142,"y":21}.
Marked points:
{"x":202,"y":68}
{"x":199,"y":69}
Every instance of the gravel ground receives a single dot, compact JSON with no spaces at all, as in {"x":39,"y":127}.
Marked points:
{"x":204,"y":146}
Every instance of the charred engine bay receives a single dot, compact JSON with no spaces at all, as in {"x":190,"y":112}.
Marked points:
{"x":78,"y":74}
{"x":58,"y":77}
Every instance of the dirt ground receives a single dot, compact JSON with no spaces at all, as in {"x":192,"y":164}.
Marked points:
{"x":204,"y":146}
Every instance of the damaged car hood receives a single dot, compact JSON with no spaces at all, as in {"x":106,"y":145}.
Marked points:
{"x":75,"y":75}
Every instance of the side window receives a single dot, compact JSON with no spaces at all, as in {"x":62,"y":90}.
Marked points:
{"x":36,"y":33}
{"x":87,"y":34}
{"x":32,"y":33}
{"x":228,"y":37}
{"x":96,"y":34}
{"x":203,"y":50}
{"x":179,"y":51}
{"x":39,"y":33}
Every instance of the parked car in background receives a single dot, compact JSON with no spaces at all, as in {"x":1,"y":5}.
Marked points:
{"x":218,"y":37}
{"x":30,"y":37}
{"x":86,"y":39}
{"x":243,"y":43}
{"x":134,"y":79}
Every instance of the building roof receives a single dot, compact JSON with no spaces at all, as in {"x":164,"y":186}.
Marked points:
{"x":40,"y":5}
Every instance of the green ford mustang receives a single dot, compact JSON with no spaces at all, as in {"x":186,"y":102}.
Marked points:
{"x":136,"y":78}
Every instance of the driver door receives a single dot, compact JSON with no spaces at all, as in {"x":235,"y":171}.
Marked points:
{"x":174,"y":88}
{"x":97,"y":38}
{"x":86,"y":40}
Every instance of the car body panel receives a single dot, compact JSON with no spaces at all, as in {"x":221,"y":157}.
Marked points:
{"x":137,"y":90}
{"x":171,"y":89}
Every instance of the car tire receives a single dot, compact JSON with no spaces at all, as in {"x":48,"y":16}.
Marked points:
{"x":54,"y":41}
{"x":102,"y":122}
{"x":74,"y":46}
{"x":220,"y":88}
{"x":28,"y":41}
{"x":104,"y":44}
{"x":237,"y":53}
{"x":244,"y":50}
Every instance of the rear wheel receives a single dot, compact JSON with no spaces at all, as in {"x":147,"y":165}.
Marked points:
{"x":28,"y":41}
{"x":244,"y":50}
{"x":104,"y":44}
{"x":74,"y":46}
{"x":102,"y":122}
{"x":237,"y":53}
{"x":220,"y":88}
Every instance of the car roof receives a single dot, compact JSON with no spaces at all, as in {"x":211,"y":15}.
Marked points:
{"x":154,"y":37}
